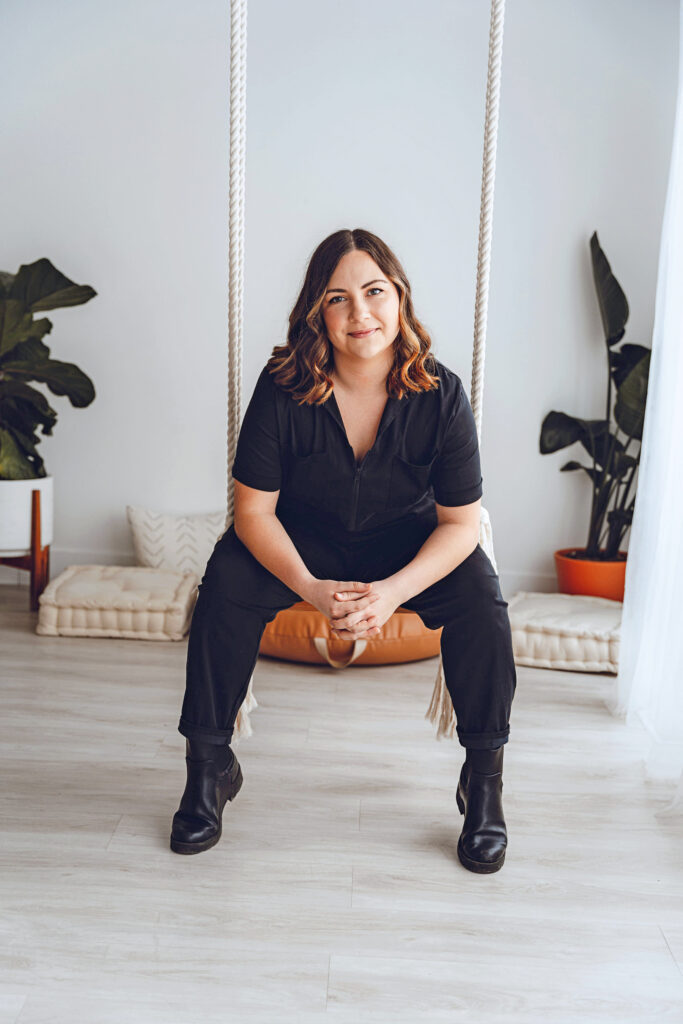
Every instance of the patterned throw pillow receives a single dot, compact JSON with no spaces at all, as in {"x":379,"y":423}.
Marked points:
{"x":166,"y":541}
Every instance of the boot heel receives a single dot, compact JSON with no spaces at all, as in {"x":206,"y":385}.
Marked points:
{"x":237,"y":785}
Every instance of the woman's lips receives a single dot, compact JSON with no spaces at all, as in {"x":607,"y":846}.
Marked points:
{"x":361,"y":334}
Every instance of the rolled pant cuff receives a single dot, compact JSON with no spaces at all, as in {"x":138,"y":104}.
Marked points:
{"x":200,"y":732}
{"x":483,"y":740}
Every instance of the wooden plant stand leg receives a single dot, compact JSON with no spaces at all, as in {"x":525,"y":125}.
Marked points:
{"x":38,"y":561}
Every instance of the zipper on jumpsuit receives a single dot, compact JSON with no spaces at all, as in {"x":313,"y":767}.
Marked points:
{"x":387,"y":416}
{"x":356,"y":488}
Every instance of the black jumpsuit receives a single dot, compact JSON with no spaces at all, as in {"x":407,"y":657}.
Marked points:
{"x":360,"y":522}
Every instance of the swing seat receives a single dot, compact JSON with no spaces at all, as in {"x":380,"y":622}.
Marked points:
{"x":302,"y":633}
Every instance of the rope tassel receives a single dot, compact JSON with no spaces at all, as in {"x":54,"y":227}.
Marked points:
{"x":440,"y":711}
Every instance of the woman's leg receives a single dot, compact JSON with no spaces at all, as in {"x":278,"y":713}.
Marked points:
{"x":479,"y":670}
{"x":476,"y":648}
{"x":476,"y":640}
{"x":237,"y":597}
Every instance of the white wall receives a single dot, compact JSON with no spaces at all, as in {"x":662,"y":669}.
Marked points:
{"x":115,"y":166}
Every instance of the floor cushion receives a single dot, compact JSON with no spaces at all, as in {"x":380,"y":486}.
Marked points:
{"x":566,"y":631}
{"x":132,"y":602}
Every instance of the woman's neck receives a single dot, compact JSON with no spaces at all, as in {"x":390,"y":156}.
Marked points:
{"x":361,"y":376}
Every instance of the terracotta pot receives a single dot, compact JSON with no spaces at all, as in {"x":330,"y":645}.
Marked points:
{"x":577,"y":575}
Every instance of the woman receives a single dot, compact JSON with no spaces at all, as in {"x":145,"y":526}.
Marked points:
{"x":358,"y":489}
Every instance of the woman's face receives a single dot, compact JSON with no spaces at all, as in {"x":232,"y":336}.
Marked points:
{"x":360,"y":298}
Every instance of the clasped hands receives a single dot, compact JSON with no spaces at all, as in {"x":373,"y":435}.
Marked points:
{"x":353,"y":610}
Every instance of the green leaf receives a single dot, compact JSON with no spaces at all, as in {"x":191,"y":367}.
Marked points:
{"x":629,"y":406}
{"x":23,"y":407}
{"x":622,"y":361}
{"x":611,"y":299}
{"x":559,"y":430}
{"x":570,"y":466}
{"x":23,"y":357}
{"x":13,"y":463}
{"x":17,"y":326}
{"x":61,"y":378}
{"x":606,"y":446}
{"x":623,"y":463}
{"x":39,"y":286}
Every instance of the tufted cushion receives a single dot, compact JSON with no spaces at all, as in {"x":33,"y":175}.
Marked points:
{"x":163,"y":540}
{"x":568,"y":631}
{"x":133,"y":602}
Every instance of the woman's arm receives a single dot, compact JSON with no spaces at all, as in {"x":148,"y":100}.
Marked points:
{"x":263,"y":534}
{"x":265,"y":537}
{"x":452,"y":541}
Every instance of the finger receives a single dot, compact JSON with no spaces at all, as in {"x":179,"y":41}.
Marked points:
{"x":363,"y":602}
{"x":345,"y":634}
{"x":351,"y":590}
{"x":347,"y":623}
{"x":354,"y":619}
{"x":361,"y":626}
{"x":368,"y":630}
{"x":355,"y":600}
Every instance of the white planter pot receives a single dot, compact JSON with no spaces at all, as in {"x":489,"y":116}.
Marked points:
{"x":15,"y":514}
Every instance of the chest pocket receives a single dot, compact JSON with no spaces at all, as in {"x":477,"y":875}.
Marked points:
{"x":307,"y":478}
{"x":409,"y":481}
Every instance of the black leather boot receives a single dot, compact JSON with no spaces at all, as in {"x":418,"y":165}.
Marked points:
{"x":214,"y":776}
{"x":483,"y":841}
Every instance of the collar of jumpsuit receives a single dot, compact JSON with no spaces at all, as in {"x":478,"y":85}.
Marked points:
{"x":425,"y":451}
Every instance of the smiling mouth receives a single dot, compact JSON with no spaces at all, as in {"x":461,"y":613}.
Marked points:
{"x":362,"y":334}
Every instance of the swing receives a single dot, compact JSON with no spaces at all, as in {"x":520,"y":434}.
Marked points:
{"x":440,"y":711}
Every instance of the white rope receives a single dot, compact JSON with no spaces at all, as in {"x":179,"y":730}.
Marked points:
{"x":488,"y":180}
{"x":440,"y":711}
{"x":238,"y":122}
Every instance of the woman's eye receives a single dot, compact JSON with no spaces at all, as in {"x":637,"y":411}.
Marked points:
{"x":333,"y":300}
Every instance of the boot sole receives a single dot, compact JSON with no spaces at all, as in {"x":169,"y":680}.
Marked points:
{"x":179,"y":847}
{"x":478,"y":866}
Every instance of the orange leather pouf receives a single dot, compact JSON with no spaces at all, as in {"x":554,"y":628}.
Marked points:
{"x":301,"y":633}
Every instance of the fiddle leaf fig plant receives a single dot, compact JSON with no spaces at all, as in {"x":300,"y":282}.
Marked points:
{"x":24,"y":357}
{"x":613,"y":468}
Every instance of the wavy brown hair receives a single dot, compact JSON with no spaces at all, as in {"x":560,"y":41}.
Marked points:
{"x":301,"y":366}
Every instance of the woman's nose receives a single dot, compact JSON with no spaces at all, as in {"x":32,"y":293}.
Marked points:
{"x":359,"y":309}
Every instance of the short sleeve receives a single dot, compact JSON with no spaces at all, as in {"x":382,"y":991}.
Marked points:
{"x":257,"y":456}
{"x":456,"y":474}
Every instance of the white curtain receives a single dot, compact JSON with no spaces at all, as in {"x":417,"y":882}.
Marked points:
{"x":649,"y":687}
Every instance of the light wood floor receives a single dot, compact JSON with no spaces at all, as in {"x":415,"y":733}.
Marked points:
{"x":335,"y":894}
